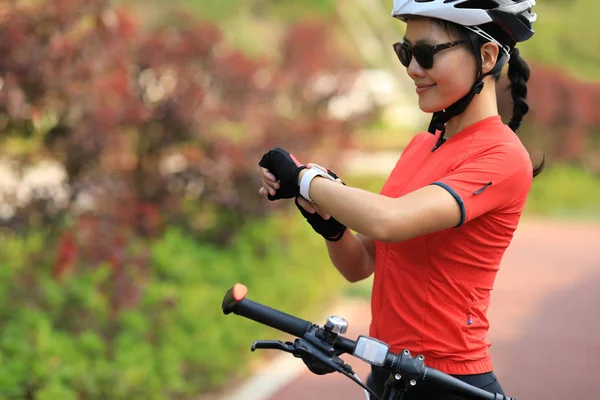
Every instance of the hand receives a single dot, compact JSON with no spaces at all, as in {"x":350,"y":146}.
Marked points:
{"x":311,"y":208}
{"x":270,"y":184}
{"x":285,"y":168}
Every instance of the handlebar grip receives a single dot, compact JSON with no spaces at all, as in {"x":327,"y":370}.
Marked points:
{"x":235,"y":301}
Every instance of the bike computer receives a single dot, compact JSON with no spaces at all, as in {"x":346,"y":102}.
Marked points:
{"x":371,"y":350}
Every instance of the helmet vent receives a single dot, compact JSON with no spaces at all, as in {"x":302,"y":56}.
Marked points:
{"x":478,"y":4}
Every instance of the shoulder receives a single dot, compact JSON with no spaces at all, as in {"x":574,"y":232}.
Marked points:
{"x":418,"y":140}
{"x":499,"y":148}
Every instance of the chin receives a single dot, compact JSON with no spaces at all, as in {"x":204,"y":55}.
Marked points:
{"x":429,"y":106}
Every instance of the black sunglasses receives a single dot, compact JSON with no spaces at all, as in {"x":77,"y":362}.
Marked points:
{"x":423,"y":53}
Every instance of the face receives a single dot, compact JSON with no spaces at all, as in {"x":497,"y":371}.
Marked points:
{"x":453,"y":73}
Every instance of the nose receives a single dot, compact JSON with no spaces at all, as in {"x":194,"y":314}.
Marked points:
{"x":414,"y":70}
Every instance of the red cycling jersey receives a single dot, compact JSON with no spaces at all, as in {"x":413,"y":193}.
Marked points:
{"x":431,"y":293}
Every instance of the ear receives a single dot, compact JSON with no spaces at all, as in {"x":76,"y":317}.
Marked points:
{"x":489,"y":56}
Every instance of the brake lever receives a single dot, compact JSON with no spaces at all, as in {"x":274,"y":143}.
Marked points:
{"x":274,"y":345}
{"x":307,"y":351}
{"x":332,"y":361}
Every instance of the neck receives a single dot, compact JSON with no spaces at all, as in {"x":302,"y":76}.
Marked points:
{"x":482,"y":106}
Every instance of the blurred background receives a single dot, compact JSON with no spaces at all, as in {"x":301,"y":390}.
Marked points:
{"x":130,"y":132}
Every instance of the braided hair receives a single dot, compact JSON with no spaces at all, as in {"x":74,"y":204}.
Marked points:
{"x":518,"y":75}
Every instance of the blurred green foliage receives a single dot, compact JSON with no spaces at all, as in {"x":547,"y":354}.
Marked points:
{"x":273,"y":9}
{"x":63,"y":340}
{"x":565,"y":191}
{"x":566,"y":36}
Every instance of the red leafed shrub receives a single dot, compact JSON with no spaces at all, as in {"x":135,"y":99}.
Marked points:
{"x":153,"y":128}
{"x":563,"y":115}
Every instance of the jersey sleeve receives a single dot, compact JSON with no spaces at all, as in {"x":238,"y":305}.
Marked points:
{"x":495,"y":179}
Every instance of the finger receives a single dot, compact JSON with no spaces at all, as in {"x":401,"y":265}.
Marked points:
{"x":269,"y":183}
{"x":307,"y":205}
{"x":267,"y":190}
{"x":266,"y":174}
{"x":322,"y":213}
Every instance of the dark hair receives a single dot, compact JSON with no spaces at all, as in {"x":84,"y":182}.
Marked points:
{"x":518,"y":73}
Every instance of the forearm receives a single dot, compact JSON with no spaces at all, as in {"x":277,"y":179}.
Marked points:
{"x":351,"y":257}
{"x":426,"y":210}
{"x":344,"y":203}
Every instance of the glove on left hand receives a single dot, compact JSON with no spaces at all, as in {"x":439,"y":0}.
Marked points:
{"x":286,"y":168}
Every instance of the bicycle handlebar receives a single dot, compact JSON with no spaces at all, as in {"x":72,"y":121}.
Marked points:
{"x":398,"y":364}
{"x":235,"y":301}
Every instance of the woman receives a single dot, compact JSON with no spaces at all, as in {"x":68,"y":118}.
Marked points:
{"x":435,"y":235}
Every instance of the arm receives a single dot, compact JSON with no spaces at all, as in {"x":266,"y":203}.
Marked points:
{"x":379,"y":217}
{"x":353,"y":256}
{"x":426,"y":210}
{"x":498,"y":178}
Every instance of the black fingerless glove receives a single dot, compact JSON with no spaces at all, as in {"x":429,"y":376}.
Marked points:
{"x":286,"y":170}
{"x":331,"y":229}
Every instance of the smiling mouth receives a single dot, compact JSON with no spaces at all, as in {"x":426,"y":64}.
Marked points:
{"x":424,"y":88}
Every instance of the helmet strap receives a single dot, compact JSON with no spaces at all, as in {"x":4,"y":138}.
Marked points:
{"x":440,"y":118}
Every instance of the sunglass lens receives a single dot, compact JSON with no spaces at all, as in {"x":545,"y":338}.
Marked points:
{"x":403,"y":53}
{"x":424,"y":56}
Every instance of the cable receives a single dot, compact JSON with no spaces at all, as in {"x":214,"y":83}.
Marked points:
{"x":367,"y":396}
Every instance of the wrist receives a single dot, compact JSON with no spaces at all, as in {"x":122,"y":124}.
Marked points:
{"x":301,"y":174}
{"x":305,"y":178}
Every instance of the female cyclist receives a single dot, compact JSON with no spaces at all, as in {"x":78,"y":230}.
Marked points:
{"x":436,"y":233}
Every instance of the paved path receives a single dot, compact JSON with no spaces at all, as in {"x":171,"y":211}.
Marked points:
{"x":545,"y":318}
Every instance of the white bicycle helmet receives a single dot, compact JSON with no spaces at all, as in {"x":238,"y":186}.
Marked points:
{"x":513,"y":16}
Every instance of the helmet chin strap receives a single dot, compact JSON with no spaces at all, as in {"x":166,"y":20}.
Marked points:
{"x":440,"y":118}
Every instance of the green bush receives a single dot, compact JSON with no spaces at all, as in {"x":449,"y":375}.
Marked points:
{"x":63,"y":340}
